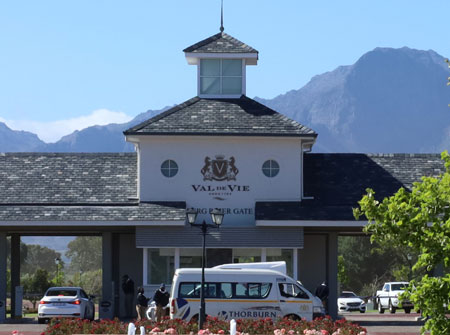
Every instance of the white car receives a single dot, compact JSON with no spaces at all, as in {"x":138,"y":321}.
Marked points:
{"x":349,"y":301}
{"x":66,"y":302}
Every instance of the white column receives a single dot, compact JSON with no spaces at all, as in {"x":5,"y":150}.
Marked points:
{"x":177,"y":258}
{"x":144,"y":266}
{"x":263,"y":255}
{"x":295,"y":265}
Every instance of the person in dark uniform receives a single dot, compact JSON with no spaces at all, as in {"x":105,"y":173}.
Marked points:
{"x":128,"y":290}
{"x":141,"y":304}
{"x":322,"y":292}
{"x":161,"y":299}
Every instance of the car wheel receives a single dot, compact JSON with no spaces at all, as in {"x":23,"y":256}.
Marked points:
{"x":41,"y":320}
{"x":380,"y":308}
{"x":407,"y":310}
{"x":391,"y":308}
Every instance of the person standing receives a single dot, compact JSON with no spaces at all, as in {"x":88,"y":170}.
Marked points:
{"x":322,"y":292}
{"x":128,"y":290}
{"x":141,"y":304}
{"x":161,"y":299}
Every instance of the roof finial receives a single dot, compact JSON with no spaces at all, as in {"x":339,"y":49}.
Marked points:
{"x":221,"y":18}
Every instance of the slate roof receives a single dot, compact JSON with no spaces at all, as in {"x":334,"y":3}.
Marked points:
{"x":338,"y":181}
{"x":76,"y":187}
{"x":223,"y":117}
{"x":220,"y":43}
{"x":100,"y":187}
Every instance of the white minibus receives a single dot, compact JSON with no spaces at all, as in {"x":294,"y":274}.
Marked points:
{"x":240,"y":291}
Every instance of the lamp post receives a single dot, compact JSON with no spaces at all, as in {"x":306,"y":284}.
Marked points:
{"x":57,"y":261}
{"x":217,"y":218}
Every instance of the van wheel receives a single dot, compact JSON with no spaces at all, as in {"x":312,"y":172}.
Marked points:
{"x":293,"y":317}
{"x":194,"y":319}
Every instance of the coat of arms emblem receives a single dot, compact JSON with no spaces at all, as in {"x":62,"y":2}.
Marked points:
{"x":219,"y":169}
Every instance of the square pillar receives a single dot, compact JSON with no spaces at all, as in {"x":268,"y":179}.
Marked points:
{"x":332,"y":273}
{"x":106,"y":308}
{"x":15,"y":272}
{"x":3,"y":268}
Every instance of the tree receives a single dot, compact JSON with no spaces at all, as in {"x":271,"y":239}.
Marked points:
{"x":39,"y":257}
{"x":35,"y":285}
{"x":420,"y":220}
{"x":85,"y":253}
{"x":364,"y":271}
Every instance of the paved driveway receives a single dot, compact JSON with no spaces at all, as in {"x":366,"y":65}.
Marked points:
{"x":387,"y":324}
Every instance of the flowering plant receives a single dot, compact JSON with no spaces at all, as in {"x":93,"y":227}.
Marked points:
{"x":212,"y":325}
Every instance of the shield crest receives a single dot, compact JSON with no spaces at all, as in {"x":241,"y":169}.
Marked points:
{"x":220,"y":168}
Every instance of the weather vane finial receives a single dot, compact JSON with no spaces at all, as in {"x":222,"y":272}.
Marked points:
{"x":221,"y":18}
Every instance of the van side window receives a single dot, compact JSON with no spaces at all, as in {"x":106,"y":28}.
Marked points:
{"x":292,"y":291}
{"x":226,"y":291}
{"x":189,"y":290}
{"x":252,"y":290}
{"x":192,"y":290}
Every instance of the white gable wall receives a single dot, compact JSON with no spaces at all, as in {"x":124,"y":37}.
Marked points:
{"x":236,"y":197}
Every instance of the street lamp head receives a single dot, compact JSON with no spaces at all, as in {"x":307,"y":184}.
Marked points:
{"x":191,"y":215}
{"x":217,"y":216}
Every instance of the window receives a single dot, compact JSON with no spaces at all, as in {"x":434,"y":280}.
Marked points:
{"x":270,"y":168}
{"x":275,"y":254}
{"x":169,"y":168}
{"x":190,"y":258}
{"x":192,"y":290}
{"x":160,"y":265}
{"x":252,"y":290}
{"x":225,"y":290}
{"x":221,"y":76}
{"x":292,"y":291}
{"x":246,"y":255}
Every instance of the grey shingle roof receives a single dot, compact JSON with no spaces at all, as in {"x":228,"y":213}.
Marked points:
{"x":154,"y":211}
{"x":224,"y":117}
{"x":76,"y":187}
{"x":67,"y":178}
{"x":338,"y":181}
{"x":96,"y":187}
{"x":220,"y":43}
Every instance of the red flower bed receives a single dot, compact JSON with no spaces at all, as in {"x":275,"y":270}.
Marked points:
{"x":320,"y":326}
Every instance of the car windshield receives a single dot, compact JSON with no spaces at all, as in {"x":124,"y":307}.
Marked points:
{"x":348,"y":295}
{"x":398,"y":287}
{"x":61,"y":293}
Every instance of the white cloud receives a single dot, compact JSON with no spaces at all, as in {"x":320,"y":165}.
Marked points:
{"x":52,"y":131}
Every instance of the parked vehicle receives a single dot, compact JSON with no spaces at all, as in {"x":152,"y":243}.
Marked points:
{"x":237,"y":291}
{"x":388,"y":298}
{"x":349,"y":301}
{"x":66,"y":302}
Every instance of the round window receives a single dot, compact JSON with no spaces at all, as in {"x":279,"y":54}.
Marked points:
{"x":270,"y":168}
{"x":169,"y":168}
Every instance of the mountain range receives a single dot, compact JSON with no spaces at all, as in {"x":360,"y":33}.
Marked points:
{"x":390,"y":100}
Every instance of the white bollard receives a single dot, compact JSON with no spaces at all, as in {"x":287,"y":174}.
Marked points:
{"x":233,"y":327}
{"x":142,"y":329}
{"x":131,"y":329}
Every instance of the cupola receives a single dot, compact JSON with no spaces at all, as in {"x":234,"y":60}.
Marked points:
{"x":221,"y":63}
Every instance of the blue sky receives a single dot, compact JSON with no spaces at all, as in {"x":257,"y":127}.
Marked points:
{"x":65,"y":65}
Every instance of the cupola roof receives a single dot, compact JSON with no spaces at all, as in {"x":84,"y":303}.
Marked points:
{"x":221,"y":117}
{"x":220,"y":43}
